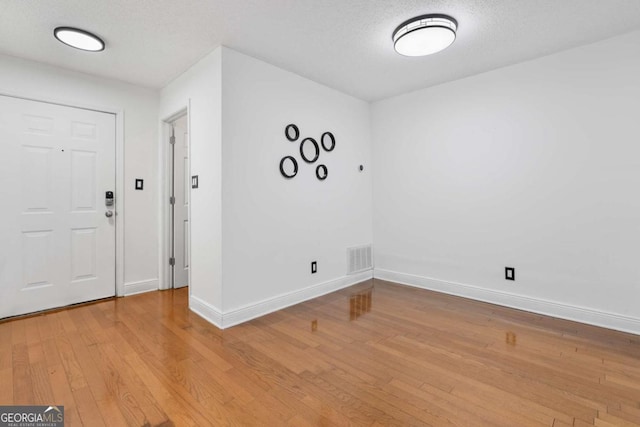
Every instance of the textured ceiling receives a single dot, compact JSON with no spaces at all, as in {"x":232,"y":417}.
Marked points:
{"x":344,"y":44}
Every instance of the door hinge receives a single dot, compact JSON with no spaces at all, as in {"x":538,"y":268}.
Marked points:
{"x":172,"y":140}
{"x":172,"y":261}
{"x":172,"y":200}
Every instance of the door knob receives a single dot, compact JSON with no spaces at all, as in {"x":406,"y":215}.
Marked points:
{"x":108,"y":214}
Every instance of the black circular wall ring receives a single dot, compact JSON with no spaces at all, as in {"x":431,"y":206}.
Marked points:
{"x":295,"y":167}
{"x":315,"y":145}
{"x":295,"y":130}
{"x":322,"y":168}
{"x":331,"y":137}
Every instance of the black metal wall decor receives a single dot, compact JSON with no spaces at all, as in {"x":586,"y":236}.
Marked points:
{"x":283,"y":169}
{"x":315,"y":147}
{"x":292,"y":132}
{"x":321,"y":172}
{"x":328,"y":136}
{"x":289,"y":165}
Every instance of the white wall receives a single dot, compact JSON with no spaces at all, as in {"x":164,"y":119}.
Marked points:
{"x":200,"y":89}
{"x":534,"y":166}
{"x":34,"y":80}
{"x":273,"y":227}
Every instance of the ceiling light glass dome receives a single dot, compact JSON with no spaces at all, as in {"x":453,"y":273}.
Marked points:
{"x":424,"y":35}
{"x":80,"y":39}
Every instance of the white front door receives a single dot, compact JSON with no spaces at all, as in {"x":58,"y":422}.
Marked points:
{"x":181,"y":208}
{"x":57,"y":245}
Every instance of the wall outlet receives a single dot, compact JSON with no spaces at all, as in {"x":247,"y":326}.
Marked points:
{"x":510,"y":273}
{"x":314,"y":267}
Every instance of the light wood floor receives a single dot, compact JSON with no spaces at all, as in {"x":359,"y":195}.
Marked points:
{"x":373,"y":354}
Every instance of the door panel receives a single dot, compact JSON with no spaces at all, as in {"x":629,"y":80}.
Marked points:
{"x":57,"y":246}
{"x":36,"y":187}
{"x":36,"y":259}
{"x":83,"y":177}
{"x":84,"y":250}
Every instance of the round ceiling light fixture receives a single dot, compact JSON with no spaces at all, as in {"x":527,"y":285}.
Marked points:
{"x":80,"y":39}
{"x":424,"y":35}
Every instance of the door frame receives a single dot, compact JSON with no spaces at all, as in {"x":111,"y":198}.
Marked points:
{"x":119,"y":148}
{"x":165,"y":191}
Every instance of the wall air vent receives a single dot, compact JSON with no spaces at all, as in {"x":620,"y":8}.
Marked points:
{"x":359,"y":259}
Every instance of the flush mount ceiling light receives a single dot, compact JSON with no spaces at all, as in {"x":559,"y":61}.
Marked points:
{"x":424,"y":35}
{"x":79,"y":39}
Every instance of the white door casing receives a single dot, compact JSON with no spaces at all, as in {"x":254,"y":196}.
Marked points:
{"x":58,"y":246}
{"x":181,"y":208}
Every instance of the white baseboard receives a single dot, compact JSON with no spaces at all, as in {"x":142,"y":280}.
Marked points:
{"x":206,"y":311}
{"x":535,"y":305}
{"x":243,"y":314}
{"x":248,"y":312}
{"x":133,"y":288}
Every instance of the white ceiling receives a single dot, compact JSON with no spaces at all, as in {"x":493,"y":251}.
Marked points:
{"x":344,"y":44}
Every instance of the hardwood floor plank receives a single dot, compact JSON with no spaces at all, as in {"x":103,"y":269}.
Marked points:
{"x":628,"y":413}
{"x":560,"y":423}
{"x":6,"y":390}
{"x":134,"y":400}
{"x":75,"y":375}
{"x":6,"y":350}
{"x":199,"y":344}
{"x":359,"y":411}
{"x":22,"y":387}
{"x":240,"y":385}
{"x":439,"y":405}
{"x":333,"y":415}
{"x":87,"y":409}
{"x":614,"y":420}
{"x":374,"y":354}
{"x":181,"y":411}
{"x":111,"y":414}
{"x":62,"y":394}
{"x":40,"y":382}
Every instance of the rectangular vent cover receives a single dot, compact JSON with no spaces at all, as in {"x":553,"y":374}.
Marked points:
{"x":359,"y":258}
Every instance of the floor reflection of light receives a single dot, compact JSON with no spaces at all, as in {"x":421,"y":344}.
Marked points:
{"x":360,"y":303}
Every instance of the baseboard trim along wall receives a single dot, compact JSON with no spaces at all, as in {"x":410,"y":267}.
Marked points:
{"x":534,"y":305}
{"x":133,"y":288}
{"x":249,"y":312}
{"x":206,"y":311}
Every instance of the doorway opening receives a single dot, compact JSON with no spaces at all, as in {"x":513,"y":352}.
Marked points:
{"x":179,"y":193}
